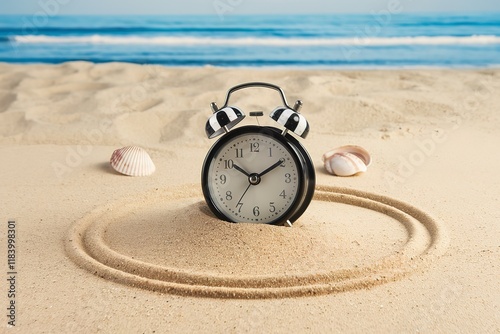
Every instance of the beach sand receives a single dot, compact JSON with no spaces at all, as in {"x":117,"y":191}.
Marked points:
{"x":412,"y":245}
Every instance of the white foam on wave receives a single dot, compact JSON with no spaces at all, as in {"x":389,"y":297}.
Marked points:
{"x":164,"y":40}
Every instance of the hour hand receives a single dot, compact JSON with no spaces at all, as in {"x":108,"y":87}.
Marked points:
{"x":239,"y":169}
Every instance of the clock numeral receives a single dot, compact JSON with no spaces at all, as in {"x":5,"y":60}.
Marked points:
{"x":270,"y":152}
{"x":283,"y":194}
{"x":239,"y":206}
{"x":272,"y":208}
{"x":228,"y":164}
{"x":239,"y":153}
{"x":254,"y":147}
{"x":256,"y":211}
{"x":288,"y":178}
{"x":223,"y":179}
{"x":282,"y":162}
{"x":229,"y":196}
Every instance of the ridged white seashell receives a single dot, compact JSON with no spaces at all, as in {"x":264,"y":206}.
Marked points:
{"x":133,"y":161}
{"x":347,"y":160}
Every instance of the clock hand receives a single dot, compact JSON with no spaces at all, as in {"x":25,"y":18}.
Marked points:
{"x":271,"y":168}
{"x":239,"y":169}
{"x":249,"y":184}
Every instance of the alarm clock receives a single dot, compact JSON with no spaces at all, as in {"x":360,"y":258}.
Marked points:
{"x":258,"y":174}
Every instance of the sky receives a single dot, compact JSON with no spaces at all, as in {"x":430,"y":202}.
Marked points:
{"x":208,"y":7}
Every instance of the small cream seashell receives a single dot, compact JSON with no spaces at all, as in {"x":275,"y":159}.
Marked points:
{"x":347,"y":160}
{"x":345,"y":164}
{"x":132,"y":161}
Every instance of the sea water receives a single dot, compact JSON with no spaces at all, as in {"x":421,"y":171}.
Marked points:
{"x":325,"y":41}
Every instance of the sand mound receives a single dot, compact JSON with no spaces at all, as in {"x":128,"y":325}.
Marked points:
{"x":166,"y":240}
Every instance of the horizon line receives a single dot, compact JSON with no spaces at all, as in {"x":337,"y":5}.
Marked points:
{"x":449,"y":12}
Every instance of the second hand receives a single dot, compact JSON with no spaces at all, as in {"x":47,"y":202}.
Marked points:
{"x":239,"y":202}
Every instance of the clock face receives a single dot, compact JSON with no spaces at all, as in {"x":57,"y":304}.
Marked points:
{"x":253,"y":177}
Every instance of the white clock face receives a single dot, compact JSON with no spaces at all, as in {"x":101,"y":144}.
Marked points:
{"x":253,"y":178}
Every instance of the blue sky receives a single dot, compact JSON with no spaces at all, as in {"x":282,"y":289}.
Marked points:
{"x":166,"y":7}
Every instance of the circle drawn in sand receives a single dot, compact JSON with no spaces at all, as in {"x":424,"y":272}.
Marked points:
{"x":161,"y":223}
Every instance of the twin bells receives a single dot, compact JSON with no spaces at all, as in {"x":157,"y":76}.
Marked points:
{"x":225,"y":118}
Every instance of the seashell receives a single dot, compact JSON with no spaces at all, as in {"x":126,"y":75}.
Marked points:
{"x":347,"y":160}
{"x":133,"y":161}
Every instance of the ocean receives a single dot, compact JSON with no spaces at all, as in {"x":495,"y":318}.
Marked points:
{"x":325,"y":41}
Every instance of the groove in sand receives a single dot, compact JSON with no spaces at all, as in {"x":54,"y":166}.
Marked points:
{"x":87,"y":245}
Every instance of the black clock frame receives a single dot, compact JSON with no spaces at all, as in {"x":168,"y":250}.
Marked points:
{"x":307,"y":175}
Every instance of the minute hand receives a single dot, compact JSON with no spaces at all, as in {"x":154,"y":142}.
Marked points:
{"x":271,"y":168}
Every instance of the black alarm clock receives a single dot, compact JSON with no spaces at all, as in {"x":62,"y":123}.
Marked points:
{"x":258,"y":174}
